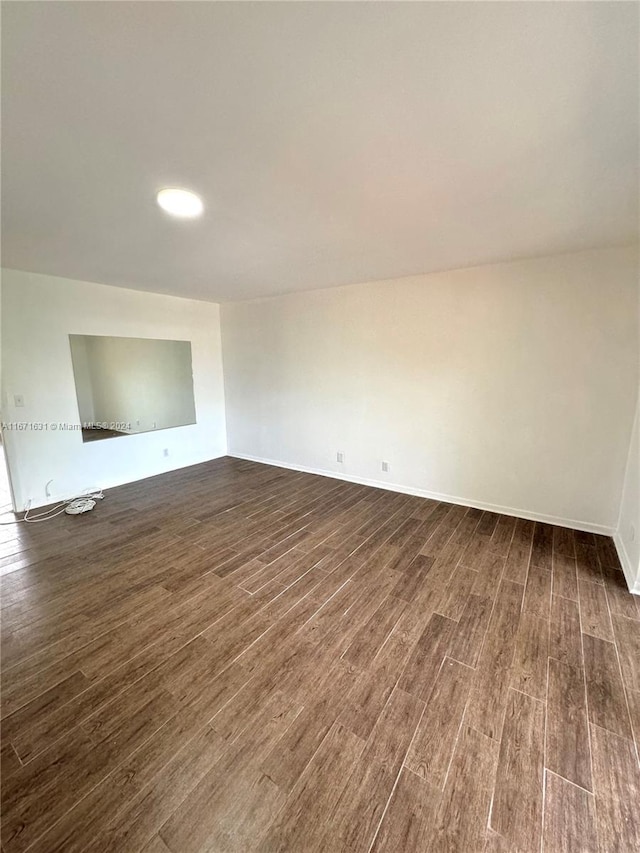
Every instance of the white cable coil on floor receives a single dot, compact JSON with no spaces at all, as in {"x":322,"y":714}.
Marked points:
{"x":80,"y":505}
{"x":71,"y":506}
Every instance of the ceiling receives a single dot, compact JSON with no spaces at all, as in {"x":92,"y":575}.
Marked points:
{"x":331,"y":142}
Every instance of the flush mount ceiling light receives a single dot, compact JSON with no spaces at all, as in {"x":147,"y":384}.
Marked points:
{"x":182,"y":203}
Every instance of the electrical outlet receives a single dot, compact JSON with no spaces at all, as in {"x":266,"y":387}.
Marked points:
{"x":165,"y":452}
{"x":386,"y":467}
{"x":340,"y":456}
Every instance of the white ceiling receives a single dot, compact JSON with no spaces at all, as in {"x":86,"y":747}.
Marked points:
{"x":331,"y":142}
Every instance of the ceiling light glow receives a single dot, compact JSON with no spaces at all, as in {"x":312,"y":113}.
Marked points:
{"x":182,"y":203}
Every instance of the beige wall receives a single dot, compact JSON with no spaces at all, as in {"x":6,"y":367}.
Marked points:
{"x":509,"y":386}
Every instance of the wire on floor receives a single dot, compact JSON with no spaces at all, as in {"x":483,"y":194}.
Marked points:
{"x":71,"y":506}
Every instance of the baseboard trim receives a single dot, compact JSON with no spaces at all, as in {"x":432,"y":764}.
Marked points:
{"x":574,"y":524}
{"x":627,"y":565}
{"x":107,"y":484}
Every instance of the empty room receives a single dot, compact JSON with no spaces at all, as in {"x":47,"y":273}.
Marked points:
{"x":320,"y":429}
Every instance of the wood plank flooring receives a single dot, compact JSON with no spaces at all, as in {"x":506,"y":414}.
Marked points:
{"x":235,"y":657}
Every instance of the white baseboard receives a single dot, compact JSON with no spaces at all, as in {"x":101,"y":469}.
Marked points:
{"x":628,"y":568}
{"x":573,"y":523}
{"x":111,"y":483}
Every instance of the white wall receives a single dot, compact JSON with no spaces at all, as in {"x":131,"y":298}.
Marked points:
{"x":509,"y":386}
{"x":38,"y":314}
{"x":627,"y":536}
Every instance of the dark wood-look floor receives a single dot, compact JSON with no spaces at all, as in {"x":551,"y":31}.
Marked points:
{"x":235,"y":657}
{"x":97,"y":433}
